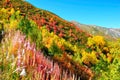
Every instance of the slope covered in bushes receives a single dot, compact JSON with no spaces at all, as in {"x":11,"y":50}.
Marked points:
{"x":25,"y":45}
{"x":38,"y":45}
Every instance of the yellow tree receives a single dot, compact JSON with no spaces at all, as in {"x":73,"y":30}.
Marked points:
{"x":96,"y":43}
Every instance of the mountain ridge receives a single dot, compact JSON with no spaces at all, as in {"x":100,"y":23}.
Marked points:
{"x":98,"y":30}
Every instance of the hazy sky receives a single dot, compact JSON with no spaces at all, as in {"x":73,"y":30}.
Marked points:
{"x":104,"y":13}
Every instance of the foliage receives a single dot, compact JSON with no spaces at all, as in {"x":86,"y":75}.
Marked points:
{"x":96,"y":41}
{"x":38,"y":45}
{"x":25,"y":62}
{"x":89,"y":58}
{"x":29,"y":28}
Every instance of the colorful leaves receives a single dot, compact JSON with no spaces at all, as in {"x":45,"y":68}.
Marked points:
{"x":12,"y":11}
{"x":89,"y":58}
{"x":68,"y":52}
{"x":28,"y":56}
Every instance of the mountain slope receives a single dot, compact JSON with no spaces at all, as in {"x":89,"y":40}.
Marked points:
{"x":53,"y":36}
{"x":37,"y":45}
{"x":109,"y":33}
{"x":53,"y":23}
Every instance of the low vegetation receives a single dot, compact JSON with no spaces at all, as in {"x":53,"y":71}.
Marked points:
{"x":45,"y":47}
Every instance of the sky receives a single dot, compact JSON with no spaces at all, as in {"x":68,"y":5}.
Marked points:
{"x":105,"y":13}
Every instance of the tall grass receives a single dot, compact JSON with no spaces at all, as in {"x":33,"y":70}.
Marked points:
{"x":19,"y":60}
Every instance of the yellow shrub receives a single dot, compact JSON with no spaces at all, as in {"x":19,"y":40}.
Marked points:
{"x":89,"y":57}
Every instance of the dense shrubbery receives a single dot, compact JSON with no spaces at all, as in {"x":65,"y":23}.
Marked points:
{"x":19,"y":58}
{"x":43,"y":46}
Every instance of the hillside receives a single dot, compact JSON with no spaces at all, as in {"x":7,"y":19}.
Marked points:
{"x":53,"y":22}
{"x":109,"y":33}
{"x":38,"y":45}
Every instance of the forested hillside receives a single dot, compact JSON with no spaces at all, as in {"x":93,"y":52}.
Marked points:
{"x":38,"y":45}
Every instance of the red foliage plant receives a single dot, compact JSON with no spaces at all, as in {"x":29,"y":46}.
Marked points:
{"x":34,"y":62}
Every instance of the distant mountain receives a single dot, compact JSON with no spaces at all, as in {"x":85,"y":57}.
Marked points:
{"x":109,"y":33}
